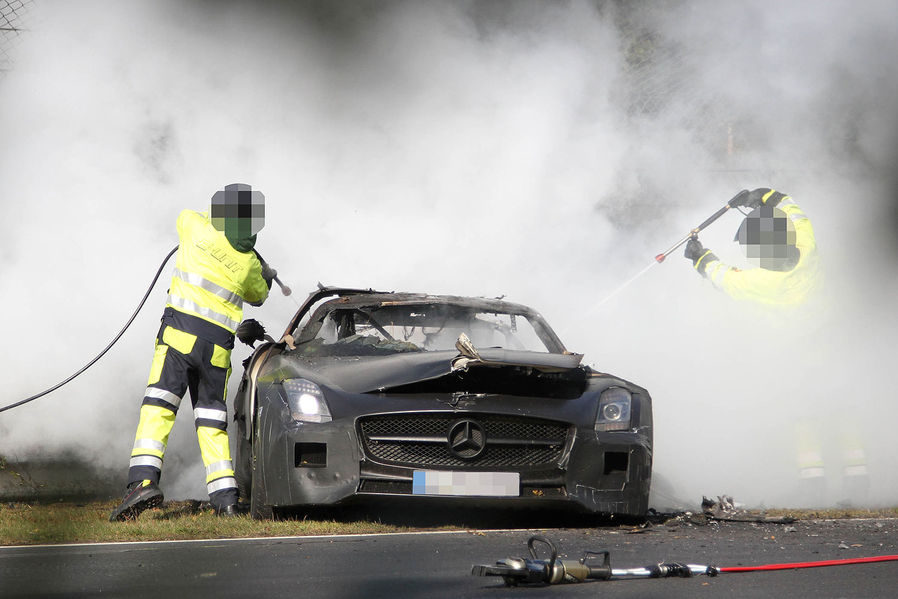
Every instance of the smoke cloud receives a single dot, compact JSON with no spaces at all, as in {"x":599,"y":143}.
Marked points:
{"x":541,"y":150}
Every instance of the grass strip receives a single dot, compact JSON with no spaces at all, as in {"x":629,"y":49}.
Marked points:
{"x":51,"y":523}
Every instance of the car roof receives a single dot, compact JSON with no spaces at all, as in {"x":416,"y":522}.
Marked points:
{"x":368,"y":298}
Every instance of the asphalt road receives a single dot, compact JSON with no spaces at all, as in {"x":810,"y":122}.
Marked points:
{"x":439,"y":564}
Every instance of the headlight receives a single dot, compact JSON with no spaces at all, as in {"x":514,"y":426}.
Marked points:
{"x":306,"y":401}
{"x":614,"y":410}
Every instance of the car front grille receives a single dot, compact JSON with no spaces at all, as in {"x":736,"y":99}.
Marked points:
{"x":496,"y":441}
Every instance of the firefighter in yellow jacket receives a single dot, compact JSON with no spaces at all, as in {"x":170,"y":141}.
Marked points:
{"x":216,"y":271}
{"x":778,"y":238}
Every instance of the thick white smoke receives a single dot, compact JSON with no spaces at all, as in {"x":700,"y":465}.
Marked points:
{"x":480,"y":148}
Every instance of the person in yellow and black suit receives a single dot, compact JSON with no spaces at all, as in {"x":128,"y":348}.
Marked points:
{"x":216,"y":271}
{"x":777,"y":237}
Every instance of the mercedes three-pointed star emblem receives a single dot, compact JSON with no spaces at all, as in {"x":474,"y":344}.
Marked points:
{"x":467,"y":439}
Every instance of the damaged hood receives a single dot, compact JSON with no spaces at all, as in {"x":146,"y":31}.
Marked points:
{"x":364,"y":374}
{"x":468,"y":356}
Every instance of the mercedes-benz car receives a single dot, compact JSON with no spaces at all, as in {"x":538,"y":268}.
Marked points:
{"x":463,"y":399}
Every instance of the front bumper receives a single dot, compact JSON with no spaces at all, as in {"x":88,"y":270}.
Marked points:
{"x":325,"y":464}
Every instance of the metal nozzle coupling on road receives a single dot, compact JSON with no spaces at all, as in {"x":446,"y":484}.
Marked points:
{"x":518,"y":570}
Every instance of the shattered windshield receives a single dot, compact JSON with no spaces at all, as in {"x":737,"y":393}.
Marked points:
{"x":394,"y":328}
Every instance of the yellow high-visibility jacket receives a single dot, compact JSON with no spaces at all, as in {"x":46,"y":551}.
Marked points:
{"x":211,"y":279}
{"x":769,"y":286}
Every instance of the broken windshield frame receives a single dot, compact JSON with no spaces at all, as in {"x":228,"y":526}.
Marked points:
{"x":395,"y":327}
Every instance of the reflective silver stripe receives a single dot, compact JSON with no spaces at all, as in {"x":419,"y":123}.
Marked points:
{"x":219,"y":466}
{"x":227,"y":482}
{"x":859,"y":470}
{"x":198,"y":281}
{"x":811,"y":473}
{"x":146,"y":460}
{"x":209,"y":414}
{"x":180,"y":302}
{"x":149,"y":444}
{"x":164,"y":395}
{"x":793,"y":216}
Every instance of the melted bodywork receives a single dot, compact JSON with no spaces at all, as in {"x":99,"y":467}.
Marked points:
{"x":407,"y":378}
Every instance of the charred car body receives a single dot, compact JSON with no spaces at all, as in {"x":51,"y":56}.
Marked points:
{"x":398,"y":394}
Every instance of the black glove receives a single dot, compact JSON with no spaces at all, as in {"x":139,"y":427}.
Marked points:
{"x":739,"y":200}
{"x":700,"y":256}
{"x":694,"y":249}
{"x":249,"y":331}
{"x":755,"y":198}
{"x":268,"y":274}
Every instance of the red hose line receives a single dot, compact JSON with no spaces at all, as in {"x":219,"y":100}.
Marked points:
{"x":831,"y":562}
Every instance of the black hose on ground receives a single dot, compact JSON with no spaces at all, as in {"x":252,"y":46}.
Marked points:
{"x":106,"y":349}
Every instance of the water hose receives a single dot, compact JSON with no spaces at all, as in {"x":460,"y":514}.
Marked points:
{"x":105,"y":349}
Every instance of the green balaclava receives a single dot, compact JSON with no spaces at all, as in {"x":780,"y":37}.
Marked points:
{"x":239,"y":213}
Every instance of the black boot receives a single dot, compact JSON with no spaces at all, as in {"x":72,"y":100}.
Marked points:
{"x":224,"y":502}
{"x":227,"y":511}
{"x":138,"y":497}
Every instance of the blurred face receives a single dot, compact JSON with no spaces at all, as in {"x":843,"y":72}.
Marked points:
{"x":767,"y":236}
{"x":238,"y":211}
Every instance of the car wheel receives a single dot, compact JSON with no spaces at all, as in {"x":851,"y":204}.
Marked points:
{"x":258,"y":498}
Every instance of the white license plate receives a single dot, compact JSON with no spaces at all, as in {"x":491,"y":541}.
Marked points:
{"x":466,"y":484}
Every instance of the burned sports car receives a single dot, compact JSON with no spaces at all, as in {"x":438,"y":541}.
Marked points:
{"x":465,"y":399}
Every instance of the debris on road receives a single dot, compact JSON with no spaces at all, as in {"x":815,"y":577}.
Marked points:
{"x":725,"y":510}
